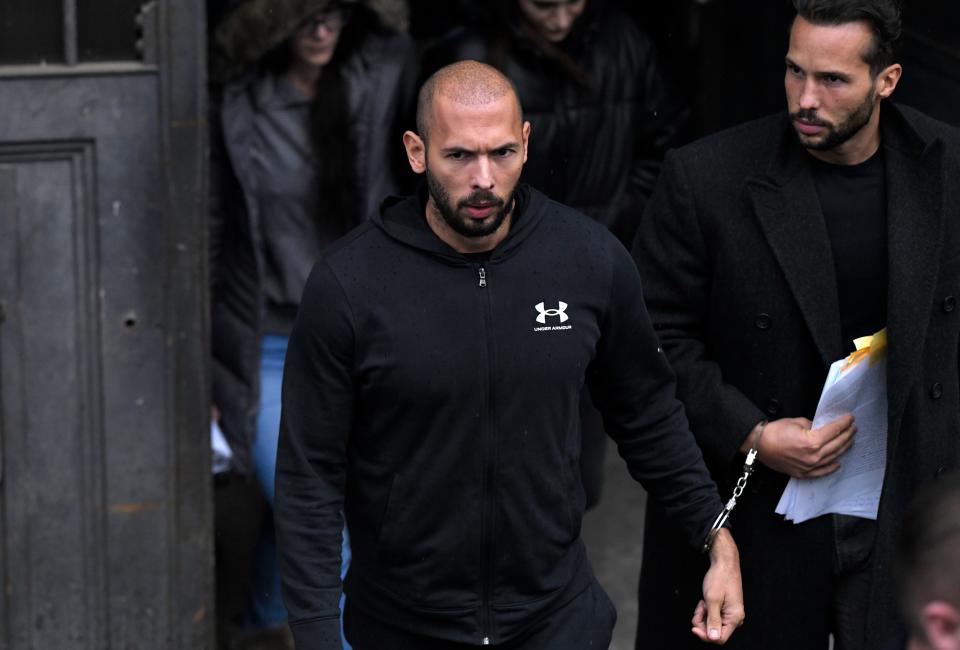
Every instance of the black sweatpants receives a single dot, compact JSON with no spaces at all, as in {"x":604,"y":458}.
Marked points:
{"x":585,"y":622}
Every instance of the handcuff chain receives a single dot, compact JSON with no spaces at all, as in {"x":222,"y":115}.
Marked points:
{"x":721,"y":519}
{"x":747,"y":471}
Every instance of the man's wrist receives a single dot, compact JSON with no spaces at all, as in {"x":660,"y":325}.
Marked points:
{"x":723,"y":547}
{"x":752,"y":440}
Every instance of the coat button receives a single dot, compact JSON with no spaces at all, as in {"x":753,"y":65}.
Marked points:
{"x":936,"y":391}
{"x":949,"y":304}
{"x":772,"y":407}
{"x":940,"y":471}
{"x":762,"y":321}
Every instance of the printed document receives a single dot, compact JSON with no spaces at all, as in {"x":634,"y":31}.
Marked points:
{"x":858,"y":385}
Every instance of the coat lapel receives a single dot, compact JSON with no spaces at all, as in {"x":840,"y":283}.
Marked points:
{"x":786,"y":204}
{"x":914,"y":172}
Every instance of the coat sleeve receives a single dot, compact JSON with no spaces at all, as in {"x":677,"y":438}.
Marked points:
{"x":316,"y":418}
{"x":634,"y":389}
{"x":674,"y":259}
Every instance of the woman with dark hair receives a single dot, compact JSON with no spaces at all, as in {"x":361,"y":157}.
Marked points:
{"x":592,"y":86}
{"x":305,"y":130}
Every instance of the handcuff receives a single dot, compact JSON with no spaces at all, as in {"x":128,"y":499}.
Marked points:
{"x":748,"y":469}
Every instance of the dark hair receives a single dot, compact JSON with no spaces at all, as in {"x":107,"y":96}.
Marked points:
{"x":927,"y":565}
{"x":335,"y":151}
{"x":883,"y":16}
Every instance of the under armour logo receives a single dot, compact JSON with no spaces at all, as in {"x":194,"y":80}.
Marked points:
{"x":561,"y":312}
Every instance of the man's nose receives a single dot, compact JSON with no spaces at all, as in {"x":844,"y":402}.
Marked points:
{"x":483,"y":173}
{"x":809,"y":95}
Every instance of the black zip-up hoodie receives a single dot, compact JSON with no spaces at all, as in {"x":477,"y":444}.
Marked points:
{"x":434,"y":400}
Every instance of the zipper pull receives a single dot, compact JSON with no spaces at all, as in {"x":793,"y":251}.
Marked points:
{"x":483,"y":276}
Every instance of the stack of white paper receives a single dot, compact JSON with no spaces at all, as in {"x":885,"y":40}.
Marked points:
{"x":222,"y":453}
{"x":855,"y":385}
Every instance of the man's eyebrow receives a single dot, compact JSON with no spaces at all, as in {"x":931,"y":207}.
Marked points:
{"x":833,"y":73}
{"x":512,"y":144}
{"x":820,"y":74}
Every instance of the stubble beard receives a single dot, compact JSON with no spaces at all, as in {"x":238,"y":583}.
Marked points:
{"x":835,"y":135}
{"x":465,"y":226}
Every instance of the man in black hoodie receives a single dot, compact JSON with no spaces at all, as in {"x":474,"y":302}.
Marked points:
{"x":431,"y":395}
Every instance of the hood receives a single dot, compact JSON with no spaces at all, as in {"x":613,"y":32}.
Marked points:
{"x":402,"y":219}
{"x":255,"y":27}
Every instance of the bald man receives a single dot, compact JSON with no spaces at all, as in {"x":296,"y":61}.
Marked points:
{"x":431,"y":396}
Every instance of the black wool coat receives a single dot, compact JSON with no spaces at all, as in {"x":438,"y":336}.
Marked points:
{"x":739,"y":280}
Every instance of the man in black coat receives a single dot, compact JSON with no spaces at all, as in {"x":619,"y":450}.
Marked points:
{"x":764,"y":251}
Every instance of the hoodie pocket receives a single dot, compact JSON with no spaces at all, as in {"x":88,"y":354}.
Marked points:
{"x":427,"y":547}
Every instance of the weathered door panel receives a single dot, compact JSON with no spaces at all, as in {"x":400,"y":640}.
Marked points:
{"x":105,"y":507}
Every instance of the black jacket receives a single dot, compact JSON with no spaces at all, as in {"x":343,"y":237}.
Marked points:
{"x":595,"y":146}
{"x":435,"y":400}
{"x":739,"y":279}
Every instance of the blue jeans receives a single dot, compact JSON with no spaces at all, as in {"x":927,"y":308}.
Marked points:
{"x":266,"y":607}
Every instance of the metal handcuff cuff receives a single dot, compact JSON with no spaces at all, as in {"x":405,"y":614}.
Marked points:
{"x":748,"y":468}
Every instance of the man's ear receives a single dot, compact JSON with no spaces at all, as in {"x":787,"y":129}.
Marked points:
{"x":526,"y":139}
{"x":887,"y":80}
{"x":416,"y":152}
{"x":941,"y":622}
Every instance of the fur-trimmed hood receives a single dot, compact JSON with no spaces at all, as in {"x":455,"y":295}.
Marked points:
{"x":257,"y":26}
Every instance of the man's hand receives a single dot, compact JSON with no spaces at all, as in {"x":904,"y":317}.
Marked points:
{"x":721,"y":610}
{"x":790,"y":446}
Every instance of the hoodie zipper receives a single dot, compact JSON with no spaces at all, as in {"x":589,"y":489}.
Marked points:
{"x":489,"y":461}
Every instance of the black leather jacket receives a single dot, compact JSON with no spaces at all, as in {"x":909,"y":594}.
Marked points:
{"x":595,"y":147}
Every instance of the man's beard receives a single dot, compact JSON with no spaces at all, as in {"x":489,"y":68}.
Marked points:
{"x":464,"y":226}
{"x":835,"y":135}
